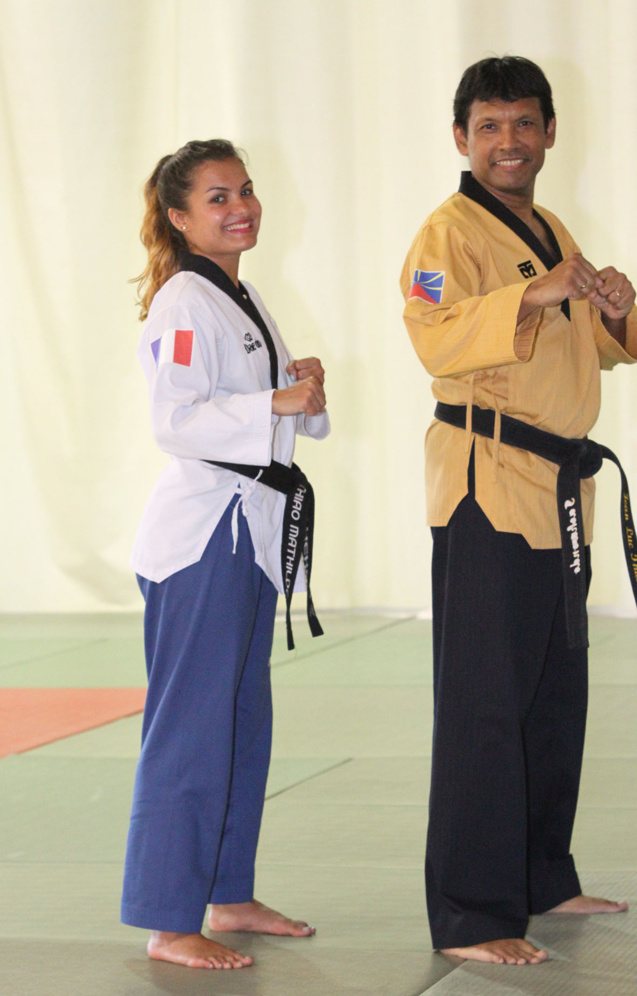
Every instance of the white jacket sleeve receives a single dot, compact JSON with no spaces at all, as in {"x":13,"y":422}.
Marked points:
{"x":199,"y":406}
{"x":315,"y":426}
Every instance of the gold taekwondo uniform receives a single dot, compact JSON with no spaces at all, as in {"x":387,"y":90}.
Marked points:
{"x":510,"y":691}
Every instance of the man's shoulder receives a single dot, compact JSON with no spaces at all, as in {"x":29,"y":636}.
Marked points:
{"x":457,"y":209}
{"x":456,"y":218}
{"x":450,"y":231}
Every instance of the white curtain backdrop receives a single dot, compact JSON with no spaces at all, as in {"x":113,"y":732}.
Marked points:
{"x":344,"y":107}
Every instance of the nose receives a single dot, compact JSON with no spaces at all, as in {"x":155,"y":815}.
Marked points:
{"x":239,"y":205}
{"x":508,"y":136}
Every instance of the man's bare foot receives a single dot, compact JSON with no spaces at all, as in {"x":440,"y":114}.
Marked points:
{"x":588,"y":904}
{"x":194,"y":950}
{"x":512,"y":951}
{"x":256,"y":917}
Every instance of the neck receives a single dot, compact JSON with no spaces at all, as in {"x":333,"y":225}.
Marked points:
{"x":230,"y":267}
{"x":229,"y":264}
{"x":519,"y":202}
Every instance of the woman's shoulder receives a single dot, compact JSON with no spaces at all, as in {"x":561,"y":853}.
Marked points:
{"x":188,"y":299}
{"x":186,"y":294}
{"x":182,"y":288}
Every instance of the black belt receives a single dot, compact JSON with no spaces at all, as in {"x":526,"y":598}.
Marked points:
{"x":298,"y":529}
{"x":576,"y":458}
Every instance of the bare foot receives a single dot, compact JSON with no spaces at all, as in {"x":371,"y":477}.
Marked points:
{"x":194,"y":950}
{"x":512,"y":951}
{"x":254,"y":916}
{"x":588,"y":904}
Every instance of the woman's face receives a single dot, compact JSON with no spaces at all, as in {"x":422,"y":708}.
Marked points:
{"x":223,"y":214}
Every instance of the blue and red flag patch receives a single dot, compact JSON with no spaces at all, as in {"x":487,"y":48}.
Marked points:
{"x":427,"y":285}
{"x":175,"y":346}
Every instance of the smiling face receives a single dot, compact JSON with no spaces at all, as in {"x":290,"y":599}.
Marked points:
{"x":506,"y":143}
{"x":223,"y":214}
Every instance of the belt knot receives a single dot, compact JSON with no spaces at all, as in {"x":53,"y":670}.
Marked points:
{"x":591,"y":458}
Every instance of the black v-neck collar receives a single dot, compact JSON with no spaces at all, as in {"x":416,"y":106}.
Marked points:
{"x":205,"y":267}
{"x":470,"y":187}
{"x":212,"y":271}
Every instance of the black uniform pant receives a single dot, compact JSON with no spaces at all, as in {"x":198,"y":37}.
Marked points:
{"x":510,"y":704}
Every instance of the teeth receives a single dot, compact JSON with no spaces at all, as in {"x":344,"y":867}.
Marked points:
{"x":509,"y":162}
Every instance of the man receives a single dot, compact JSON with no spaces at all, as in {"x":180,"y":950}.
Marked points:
{"x":508,"y":317}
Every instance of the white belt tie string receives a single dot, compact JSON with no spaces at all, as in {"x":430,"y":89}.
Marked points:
{"x":244,"y":490}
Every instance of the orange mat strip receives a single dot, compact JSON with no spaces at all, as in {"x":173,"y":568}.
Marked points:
{"x":31,"y":717}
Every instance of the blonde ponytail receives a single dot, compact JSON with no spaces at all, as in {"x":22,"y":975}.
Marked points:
{"x":159,"y":241}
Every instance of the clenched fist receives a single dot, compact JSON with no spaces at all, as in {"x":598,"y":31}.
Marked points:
{"x":306,"y":395}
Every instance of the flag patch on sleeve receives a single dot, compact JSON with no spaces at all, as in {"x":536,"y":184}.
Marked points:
{"x":175,"y":346}
{"x":427,"y":285}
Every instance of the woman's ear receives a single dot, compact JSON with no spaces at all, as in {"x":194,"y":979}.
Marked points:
{"x":177,"y":218}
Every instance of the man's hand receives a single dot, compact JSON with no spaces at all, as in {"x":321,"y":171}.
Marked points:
{"x":307,"y":394}
{"x":614,"y":296}
{"x":309,"y":367}
{"x":575,"y":278}
{"x":572,"y":279}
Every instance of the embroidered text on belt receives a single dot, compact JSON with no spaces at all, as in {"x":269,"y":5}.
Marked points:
{"x":576,"y":458}
{"x":298,"y":529}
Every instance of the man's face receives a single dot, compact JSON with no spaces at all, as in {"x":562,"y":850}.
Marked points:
{"x":505,"y":143}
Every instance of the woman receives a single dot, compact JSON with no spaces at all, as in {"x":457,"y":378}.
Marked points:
{"x":208,"y":558}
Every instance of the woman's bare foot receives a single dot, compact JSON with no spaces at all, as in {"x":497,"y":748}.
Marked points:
{"x":194,"y":950}
{"x":588,"y":904}
{"x":256,"y":917}
{"x":512,"y":951}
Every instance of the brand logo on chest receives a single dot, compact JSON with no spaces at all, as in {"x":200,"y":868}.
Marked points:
{"x":527,"y":269}
{"x":250,"y":343}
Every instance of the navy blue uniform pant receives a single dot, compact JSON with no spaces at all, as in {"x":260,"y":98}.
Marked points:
{"x":206,"y":740}
{"x":510,"y":704}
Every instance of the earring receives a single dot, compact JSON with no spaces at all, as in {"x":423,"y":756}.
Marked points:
{"x":183,"y":228}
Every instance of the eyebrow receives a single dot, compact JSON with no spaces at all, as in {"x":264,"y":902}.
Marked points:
{"x":488,"y":118}
{"x":228,"y":188}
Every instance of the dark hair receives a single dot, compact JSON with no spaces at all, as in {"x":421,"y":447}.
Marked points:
{"x":167,"y":187}
{"x":508,"y":79}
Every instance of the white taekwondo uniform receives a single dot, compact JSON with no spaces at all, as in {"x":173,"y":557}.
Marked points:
{"x":213,"y":403}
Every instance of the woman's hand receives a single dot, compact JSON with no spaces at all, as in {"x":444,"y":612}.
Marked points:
{"x":306,"y":395}
{"x":309,"y":367}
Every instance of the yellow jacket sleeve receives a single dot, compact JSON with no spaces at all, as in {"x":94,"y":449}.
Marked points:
{"x":474,"y":325}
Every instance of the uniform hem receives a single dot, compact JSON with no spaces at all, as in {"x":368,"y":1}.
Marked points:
{"x":469,"y":929}
{"x":170,"y":921}
{"x":564,"y":885}
{"x":227,"y":895}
